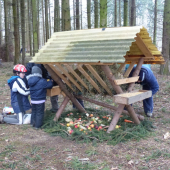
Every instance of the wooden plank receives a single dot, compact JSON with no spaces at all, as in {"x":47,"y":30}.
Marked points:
{"x":54,"y":91}
{"x":69,"y":76}
{"x":95,"y":74}
{"x":76,"y":75}
{"x":127,"y":80}
{"x":129,"y":98}
{"x":60,"y":75}
{"x":71,"y":63}
{"x":88,"y":78}
{"x":129,"y":69}
{"x":121,"y":67}
{"x":142,"y":46}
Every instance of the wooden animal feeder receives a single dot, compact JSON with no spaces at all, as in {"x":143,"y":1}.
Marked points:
{"x":71,"y":58}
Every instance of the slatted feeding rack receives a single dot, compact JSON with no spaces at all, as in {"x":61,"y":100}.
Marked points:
{"x":67,"y":51}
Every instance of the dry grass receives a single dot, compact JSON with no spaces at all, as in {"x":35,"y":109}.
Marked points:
{"x":22,"y":147}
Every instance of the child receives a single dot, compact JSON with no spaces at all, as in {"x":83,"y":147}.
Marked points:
{"x":38,"y":86}
{"x":149,"y":82}
{"x":19,"y":95}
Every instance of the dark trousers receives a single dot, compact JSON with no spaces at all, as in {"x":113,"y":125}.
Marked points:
{"x":37,"y":114}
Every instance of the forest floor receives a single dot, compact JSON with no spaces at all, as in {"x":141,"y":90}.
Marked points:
{"x":22,"y":147}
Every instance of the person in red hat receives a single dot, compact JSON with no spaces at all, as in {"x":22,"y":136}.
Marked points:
{"x":19,"y":96}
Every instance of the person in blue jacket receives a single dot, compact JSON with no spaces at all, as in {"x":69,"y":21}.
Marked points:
{"x":149,"y":82}
{"x":38,"y":88}
{"x":19,"y":96}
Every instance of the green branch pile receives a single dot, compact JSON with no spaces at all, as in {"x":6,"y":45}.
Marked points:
{"x":124,"y":132}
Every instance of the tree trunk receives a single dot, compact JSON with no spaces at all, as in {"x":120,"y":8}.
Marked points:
{"x":6,"y":29}
{"x":115,"y":21}
{"x":125,"y":13}
{"x":119,"y":13}
{"x":66,"y":26}
{"x":56,"y":16}
{"x":89,"y":13}
{"x":46,"y":20}
{"x":29,"y":25}
{"x":77,"y":15}
{"x":23,"y":29}
{"x":0,"y":24}
{"x":38,"y":23}
{"x":164,"y":69}
{"x":155,"y":23}
{"x":133,"y":13}
{"x":96,"y":13}
{"x":44,"y":34}
{"x":49,"y":18}
{"x":16,"y":34}
{"x":74,"y":26}
{"x":34,"y":21}
{"x":103,"y":13}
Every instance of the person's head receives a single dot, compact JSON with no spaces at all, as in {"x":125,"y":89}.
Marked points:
{"x":19,"y":70}
{"x":36,"y":70}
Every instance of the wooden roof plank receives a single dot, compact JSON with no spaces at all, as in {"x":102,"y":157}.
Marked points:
{"x":69,"y":76}
{"x":88,"y":78}
{"x":95,"y":74}
{"x":76,"y":75}
{"x":143,"y":47}
{"x":60,"y":75}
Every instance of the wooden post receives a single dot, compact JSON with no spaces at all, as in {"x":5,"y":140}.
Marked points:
{"x":107,"y":106}
{"x":57,"y":79}
{"x":135,"y":73}
{"x":116,"y":117}
{"x":118,"y":90}
{"x":61,"y":108}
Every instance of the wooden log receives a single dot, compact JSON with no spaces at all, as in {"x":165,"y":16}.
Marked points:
{"x":121,"y":67}
{"x":116,"y":118}
{"x":61,"y":108}
{"x":129,"y":69}
{"x":118,"y":90}
{"x":107,"y":106}
{"x":57,"y":79}
{"x":135,"y":73}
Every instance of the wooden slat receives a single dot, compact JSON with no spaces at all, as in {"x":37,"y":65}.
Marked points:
{"x":142,"y":46}
{"x":95,"y":74}
{"x":88,"y":78}
{"x":121,"y":67}
{"x":127,"y":80}
{"x":76,"y":75}
{"x":129,"y":69}
{"x":60,"y":75}
{"x":129,"y":98}
{"x":69,"y":76}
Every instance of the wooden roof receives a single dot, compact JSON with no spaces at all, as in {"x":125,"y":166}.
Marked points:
{"x":101,"y":45}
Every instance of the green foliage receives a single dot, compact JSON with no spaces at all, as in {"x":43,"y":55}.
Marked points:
{"x":127,"y":131}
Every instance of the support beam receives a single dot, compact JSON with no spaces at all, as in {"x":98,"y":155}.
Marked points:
{"x":61,"y":108}
{"x":118,"y":90}
{"x":107,"y":106}
{"x":136,"y":73}
{"x":57,"y":79}
{"x":129,"y":69}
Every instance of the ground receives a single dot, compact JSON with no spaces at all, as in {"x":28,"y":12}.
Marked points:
{"x":22,"y":147}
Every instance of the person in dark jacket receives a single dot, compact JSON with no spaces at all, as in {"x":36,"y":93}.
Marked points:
{"x":149,"y":82}
{"x":45,"y":74}
{"x":19,"y":95}
{"x":38,"y":88}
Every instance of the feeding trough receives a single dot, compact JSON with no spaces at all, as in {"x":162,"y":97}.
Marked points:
{"x":83,"y":60}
